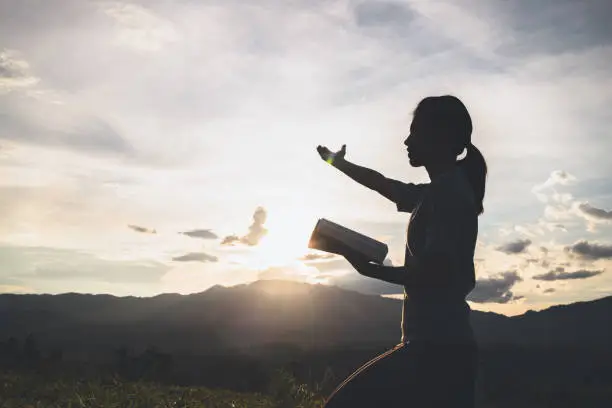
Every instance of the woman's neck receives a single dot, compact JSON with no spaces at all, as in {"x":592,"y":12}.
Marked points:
{"x":437,"y":170}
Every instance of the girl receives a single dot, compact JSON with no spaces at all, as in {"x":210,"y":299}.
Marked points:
{"x":435,"y":364}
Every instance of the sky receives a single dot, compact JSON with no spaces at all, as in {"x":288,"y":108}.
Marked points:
{"x":169,"y":146}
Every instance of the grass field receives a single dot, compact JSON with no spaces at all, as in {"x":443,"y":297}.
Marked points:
{"x":21,"y":391}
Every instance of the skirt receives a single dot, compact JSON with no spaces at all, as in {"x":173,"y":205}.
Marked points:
{"x":414,"y":375}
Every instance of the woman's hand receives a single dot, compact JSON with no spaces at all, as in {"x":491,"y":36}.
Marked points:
{"x":330,"y":156}
{"x":361,"y":265}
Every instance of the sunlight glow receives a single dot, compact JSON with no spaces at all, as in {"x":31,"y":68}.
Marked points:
{"x":286,"y":241}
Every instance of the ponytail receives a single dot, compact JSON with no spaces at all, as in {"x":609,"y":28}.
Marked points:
{"x":475,"y":167}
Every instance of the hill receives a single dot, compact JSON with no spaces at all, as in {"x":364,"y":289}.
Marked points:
{"x":272,"y":312}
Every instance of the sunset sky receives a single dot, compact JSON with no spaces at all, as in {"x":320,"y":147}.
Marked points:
{"x":168,"y":146}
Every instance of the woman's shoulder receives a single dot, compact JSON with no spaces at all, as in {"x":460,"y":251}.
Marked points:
{"x":453,"y":191}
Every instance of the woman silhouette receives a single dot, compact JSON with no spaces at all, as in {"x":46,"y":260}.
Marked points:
{"x":435,"y":364}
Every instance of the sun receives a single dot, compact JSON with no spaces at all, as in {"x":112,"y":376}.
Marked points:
{"x":286,"y":240}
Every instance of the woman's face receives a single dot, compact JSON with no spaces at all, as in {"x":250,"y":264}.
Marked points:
{"x":419,"y":144}
{"x":426,"y":145}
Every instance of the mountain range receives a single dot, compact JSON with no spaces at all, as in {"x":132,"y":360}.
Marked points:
{"x":269,"y":312}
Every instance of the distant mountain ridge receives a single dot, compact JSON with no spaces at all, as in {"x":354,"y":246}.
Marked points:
{"x":272,"y":312}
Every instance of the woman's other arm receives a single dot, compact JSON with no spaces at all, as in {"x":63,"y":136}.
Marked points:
{"x":447,"y":253}
{"x":412,"y":274}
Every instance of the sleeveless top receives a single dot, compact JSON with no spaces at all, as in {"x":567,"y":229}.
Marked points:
{"x":443,"y":223}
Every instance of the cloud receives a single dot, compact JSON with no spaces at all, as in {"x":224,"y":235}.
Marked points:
{"x":24,"y":119}
{"x":140,"y":28}
{"x":14,"y":72}
{"x":549,"y":290}
{"x":557,"y":28}
{"x":594,"y":213}
{"x":144,"y":230}
{"x":590,"y":251}
{"x":196,"y":257}
{"x":200,"y":233}
{"x":384,"y":14}
{"x":560,"y":274}
{"x":514,"y":247}
{"x":316,"y":257}
{"x":496,"y":289}
{"x":256,"y":231}
{"x":230,"y":240}
{"x":557,"y":177}
{"x":46,"y":267}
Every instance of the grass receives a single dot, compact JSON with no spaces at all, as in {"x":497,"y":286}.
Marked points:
{"x":30,"y":391}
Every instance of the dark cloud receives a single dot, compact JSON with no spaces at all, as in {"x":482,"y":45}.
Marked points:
{"x":144,"y":230}
{"x":514,"y":247}
{"x":554,"y":26}
{"x":201,"y":233}
{"x":560,"y":274}
{"x":549,"y":290}
{"x":256,"y":231}
{"x":590,"y":251}
{"x":195,"y":257}
{"x":383,"y":13}
{"x":594,"y":212}
{"x":496,"y":289}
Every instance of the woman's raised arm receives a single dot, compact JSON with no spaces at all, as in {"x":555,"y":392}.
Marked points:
{"x":404,"y":195}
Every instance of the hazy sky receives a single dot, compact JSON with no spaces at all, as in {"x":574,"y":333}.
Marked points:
{"x":168,"y":146}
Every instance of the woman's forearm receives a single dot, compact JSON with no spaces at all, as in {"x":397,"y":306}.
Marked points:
{"x":412,"y":274}
{"x":390,"y":274}
{"x":364,"y":176}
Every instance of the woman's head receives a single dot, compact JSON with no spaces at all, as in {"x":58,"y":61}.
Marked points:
{"x":441,"y":130}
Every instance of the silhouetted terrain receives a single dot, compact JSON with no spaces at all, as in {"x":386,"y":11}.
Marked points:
{"x":270,"y":312}
{"x":237,"y":338}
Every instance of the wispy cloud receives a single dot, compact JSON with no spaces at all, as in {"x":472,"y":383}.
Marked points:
{"x":557,"y":177}
{"x":196,"y":257}
{"x":201,"y":233}
{"x":141,"y":229}
{"x":317,"y":257}
{"x":139,"y":27}
{"x":560,"y":274}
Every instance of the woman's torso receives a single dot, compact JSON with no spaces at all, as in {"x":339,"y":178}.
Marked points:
{"x":435,"y":314}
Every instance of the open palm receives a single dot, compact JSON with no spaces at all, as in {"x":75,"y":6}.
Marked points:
{"x":330,"y":156}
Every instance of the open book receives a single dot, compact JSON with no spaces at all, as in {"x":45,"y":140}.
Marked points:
{"x":334,"y":238}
